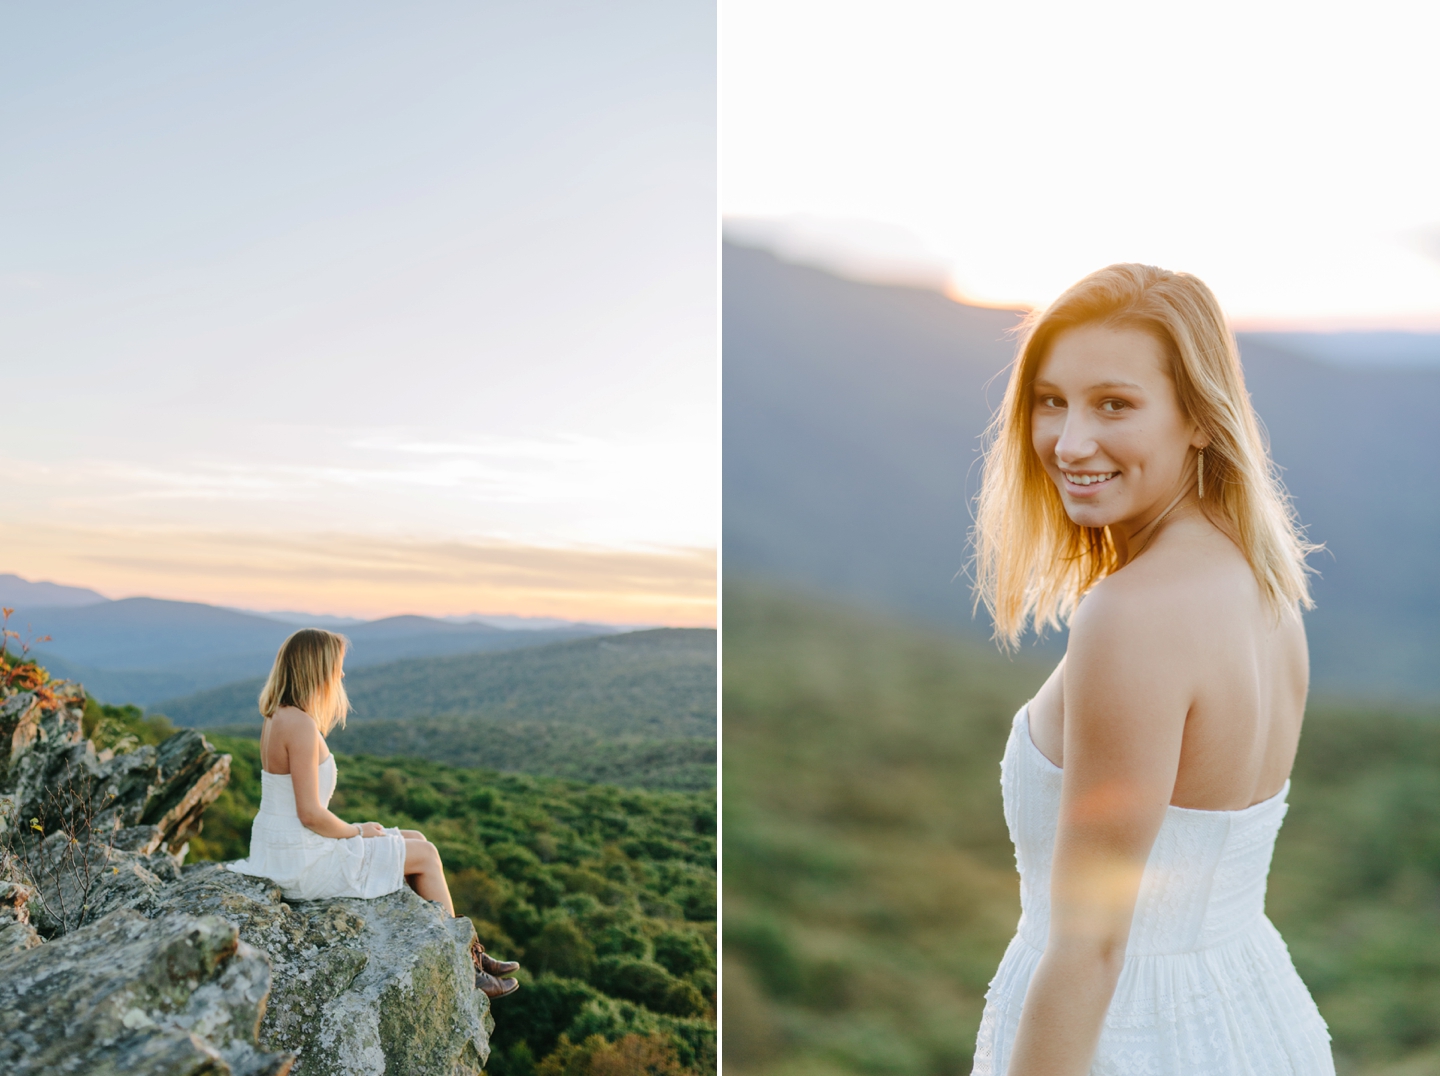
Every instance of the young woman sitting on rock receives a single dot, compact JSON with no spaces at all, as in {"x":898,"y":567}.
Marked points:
{"x":295,"y":840}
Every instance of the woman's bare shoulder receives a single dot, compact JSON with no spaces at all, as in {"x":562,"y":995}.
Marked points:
{"x":1148,"y":619}
{"x":294,"y":726}
{"x":1137,"y":598}
{"x":1156,"y":624}
{"x":1120,"y":617}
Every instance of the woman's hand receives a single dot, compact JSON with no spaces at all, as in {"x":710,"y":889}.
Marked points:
{"x":371,"y":829}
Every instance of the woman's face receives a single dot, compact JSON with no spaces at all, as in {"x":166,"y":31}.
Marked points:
{"x":1108,"y":428}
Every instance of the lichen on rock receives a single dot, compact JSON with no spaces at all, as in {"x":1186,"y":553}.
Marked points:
{"x":360,"y":986}
{"x":180,"y":994}
{"x":16,"y":931}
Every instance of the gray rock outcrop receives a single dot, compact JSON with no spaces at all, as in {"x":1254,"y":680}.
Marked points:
{"x":116,"y":958}
{"x":180,"y":994}
{"x":16,"y":932}
{"x":146,"y":798}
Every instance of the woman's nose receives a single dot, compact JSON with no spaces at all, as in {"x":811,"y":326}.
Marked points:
{"x":1076,"y":441}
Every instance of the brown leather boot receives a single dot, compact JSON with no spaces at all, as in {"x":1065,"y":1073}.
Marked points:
{"x":493,"y":987}
{"x":485,"y":962}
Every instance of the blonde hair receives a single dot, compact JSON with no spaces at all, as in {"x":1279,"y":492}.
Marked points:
{"x":306,"y":675}
{"x":1032,"y":562}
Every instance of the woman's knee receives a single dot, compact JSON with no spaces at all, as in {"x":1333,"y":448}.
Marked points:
{"x":412,"y":834}
{"x":420,"y":855}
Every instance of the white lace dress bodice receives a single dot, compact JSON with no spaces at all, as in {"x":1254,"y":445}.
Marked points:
{"x":308,"y":866}
{"x":1208,"y":987}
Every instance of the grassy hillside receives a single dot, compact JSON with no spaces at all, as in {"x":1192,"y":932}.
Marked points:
{"x":656,"y":685}
{"x":870,"y":885}
{"x":606,"y":895}
{"x":869,"y":881}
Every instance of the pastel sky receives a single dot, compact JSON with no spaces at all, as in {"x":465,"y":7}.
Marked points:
{"x":1284,"y":152}
{"x":363,"y":308}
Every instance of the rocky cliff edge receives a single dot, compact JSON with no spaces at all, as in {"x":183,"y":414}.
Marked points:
{"x":116,"y":957}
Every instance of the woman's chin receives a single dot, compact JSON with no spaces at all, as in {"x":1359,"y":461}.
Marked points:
{"x":1090,"y":515}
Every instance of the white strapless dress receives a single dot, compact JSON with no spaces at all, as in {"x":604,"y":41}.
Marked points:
{"x":308,"y":866}
{"x":1208,"y":987}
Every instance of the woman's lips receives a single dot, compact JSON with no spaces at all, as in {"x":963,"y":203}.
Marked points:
{"x":1087,"y":483}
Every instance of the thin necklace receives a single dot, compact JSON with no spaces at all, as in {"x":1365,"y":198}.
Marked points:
{"x":1154,"y":524}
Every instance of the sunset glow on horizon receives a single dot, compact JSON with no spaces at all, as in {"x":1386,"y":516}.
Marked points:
{"x":346,"y":575}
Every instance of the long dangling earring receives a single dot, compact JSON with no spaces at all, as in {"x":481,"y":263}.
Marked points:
{"x":1200,"y":467}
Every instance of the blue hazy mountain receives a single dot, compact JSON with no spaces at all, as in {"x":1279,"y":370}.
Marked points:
{"x":142,"y":650}
{"x":853,"y":416}
{"x":1362,"y":349}
{"x":17,"y":593}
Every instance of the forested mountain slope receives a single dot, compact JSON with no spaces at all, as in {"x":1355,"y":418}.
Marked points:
{"x":658,"y":683}
{"x":634,"y":709}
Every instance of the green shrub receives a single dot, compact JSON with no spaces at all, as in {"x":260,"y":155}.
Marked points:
{"x":618,"y":935}
{"x":647,"y":984}
{"x":694,"y":1039}
{"x":123,"y":728}
{"x":681,"y":953}
{"x":539,"y":1012}
{"x":561,"y":948}
{"x":697,"y":899}
{"x":630,"y":1055}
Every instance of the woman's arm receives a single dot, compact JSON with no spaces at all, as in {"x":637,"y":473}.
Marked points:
{"x":303,"y":745}
{"x":1126,"y":696}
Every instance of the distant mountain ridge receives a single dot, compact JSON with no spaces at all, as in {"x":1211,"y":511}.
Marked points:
{"x":852,"y":420}
{"x":141,"y":650}
{"x":1373,"y":350}
{"x":18,"y":593}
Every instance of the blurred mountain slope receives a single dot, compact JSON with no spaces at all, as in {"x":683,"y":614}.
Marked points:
{"x":853,"y":418}
{"x":870,"y":883}
{"x":852,"y":422}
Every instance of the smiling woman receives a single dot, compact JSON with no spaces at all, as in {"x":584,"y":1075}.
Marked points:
{"x":1145,"y":782}
{"x":1135,"y":345}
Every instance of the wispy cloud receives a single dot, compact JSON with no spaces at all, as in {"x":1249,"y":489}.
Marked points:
{"x":542,"y":489}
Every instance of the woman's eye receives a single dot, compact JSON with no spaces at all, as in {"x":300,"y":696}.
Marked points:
{"x":1114,"y":405}
{"x":1051,"y":401}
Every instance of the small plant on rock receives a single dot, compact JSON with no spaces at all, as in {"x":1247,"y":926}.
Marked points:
{"x":64,"y":864}
{"x":20,"y":672}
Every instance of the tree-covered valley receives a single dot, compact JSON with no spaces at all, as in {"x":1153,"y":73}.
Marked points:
{"x":606,"y":892}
